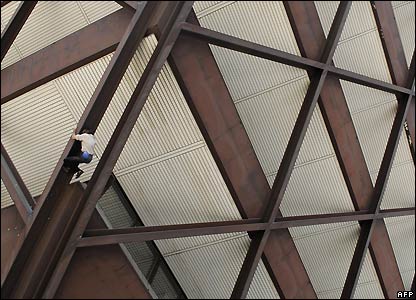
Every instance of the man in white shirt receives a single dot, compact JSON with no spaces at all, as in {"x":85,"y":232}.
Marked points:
{"x":88,"y":141}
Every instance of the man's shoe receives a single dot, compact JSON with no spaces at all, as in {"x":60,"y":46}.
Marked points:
{"x":79,"y":173}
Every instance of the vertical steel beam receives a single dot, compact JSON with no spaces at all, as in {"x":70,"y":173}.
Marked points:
{"x":394,"y":53}
{"x":289,"y":158}
{"x":52,"y":195}
{"x":15,"y":24}
{"x":15,"y":186}
{"x":309,"y":34}
{"x":378,"y":192}
{"x":119,"y":138}
{"x":206,"y":93}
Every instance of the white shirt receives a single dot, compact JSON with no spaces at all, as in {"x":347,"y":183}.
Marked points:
{"x":87,"y":142}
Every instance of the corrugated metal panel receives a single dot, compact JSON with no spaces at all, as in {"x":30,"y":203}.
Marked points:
{"x":13,"y":54}
{"x":400,"y":190}
{"x":368,"y":286}
{"x":360,"y":98}
{"x":324,"y":249}
{"x":405,"y":18}
{"x":217,"y":265}
{"x":402,"y":236}
{"x":360,"y":10}
{"x":359,"y":35}
{"x":373,"y":128}
{"x":263,"y":22}
{"x":6,"y":200}
{"x":316,"y":188}
{"x":183,"y":189}
{"x":31,"y":136}
{"x":269,"y":119}
{"x":267,"y":75}
{"x":353,"y":55}
{"x":114,"y":210}
{"x":95,"y":10}
{"x":407,"y":279}
{"x":51,"y":21}
{"x":204,"y":8}
{"x":399,"y":3}
{"x":7,"y":13}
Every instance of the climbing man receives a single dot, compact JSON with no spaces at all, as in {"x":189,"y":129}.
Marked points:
{"x":87,"y":140}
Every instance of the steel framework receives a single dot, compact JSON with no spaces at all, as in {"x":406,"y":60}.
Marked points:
{"x":36,"y":267}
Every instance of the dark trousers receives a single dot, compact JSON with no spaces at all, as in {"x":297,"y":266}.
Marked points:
{"x":73,"y":161}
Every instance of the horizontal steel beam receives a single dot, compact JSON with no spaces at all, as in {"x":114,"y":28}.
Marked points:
{"x":251,"y":48}
{"x":147,"y":233}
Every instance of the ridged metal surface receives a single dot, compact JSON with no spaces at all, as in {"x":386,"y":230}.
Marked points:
{"x":315,"y":188}
{"x":359,"y":35}
{"x":368,"y":286}
{"x":51,"y":21}
{"x":402,"y":236}
{"x":7,"y":12}
{"x":219,"y":271}
{"x":323,"y":249}
{"x":6,"y":200}
{"x":31,"y":137}
{"x":263,"y":22}
{"x":400,"y":190}
{"x":404,"y":11}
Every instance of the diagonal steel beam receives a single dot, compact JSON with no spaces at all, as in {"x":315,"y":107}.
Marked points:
{"x":305,"y":21}
{"x":73,"y":51}
{"x":3,"y":3}
{"x":16,"y":187}
{"x":394,"y":53}
{"x":217,"y":118}
{"x":52,"y":195}
{"x":15,"y":24}
{"x":289,"y":158}
{"x":147,"y":233}
{"x":118,"y":139}
{"x":377,"y":196}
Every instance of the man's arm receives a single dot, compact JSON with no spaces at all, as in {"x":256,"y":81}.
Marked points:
{"x":75,"y":136}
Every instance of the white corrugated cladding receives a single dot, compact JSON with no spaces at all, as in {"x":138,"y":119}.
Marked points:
{"x":268,"y":97}
{"x":166,"y":136}
{"x":404,"y":11}
{"x":373,"y":114}
{"x":53,"y":21}
{"x":402,"y":235}
{"x":167,"y":170}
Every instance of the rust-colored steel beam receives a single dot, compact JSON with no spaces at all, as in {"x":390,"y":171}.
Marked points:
{"x":49,"y":203}
{"x":310,"y":37}
{"x":237,"y":44}
{"x":16,"y":187}
{"x":101,"y":273}
{"x":15,"y":24}
{"x":394,"y":53}
{"x":79,"y":48}
{"x":378,"y":192}
{"x":131,"y":5}
{"x":3,"y":3}
{"x":147,"y":233}
{"x":11,"y":228}
{"x":291,"y":153}
{"x":210,"y":102}
{"x":119,"y":138}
